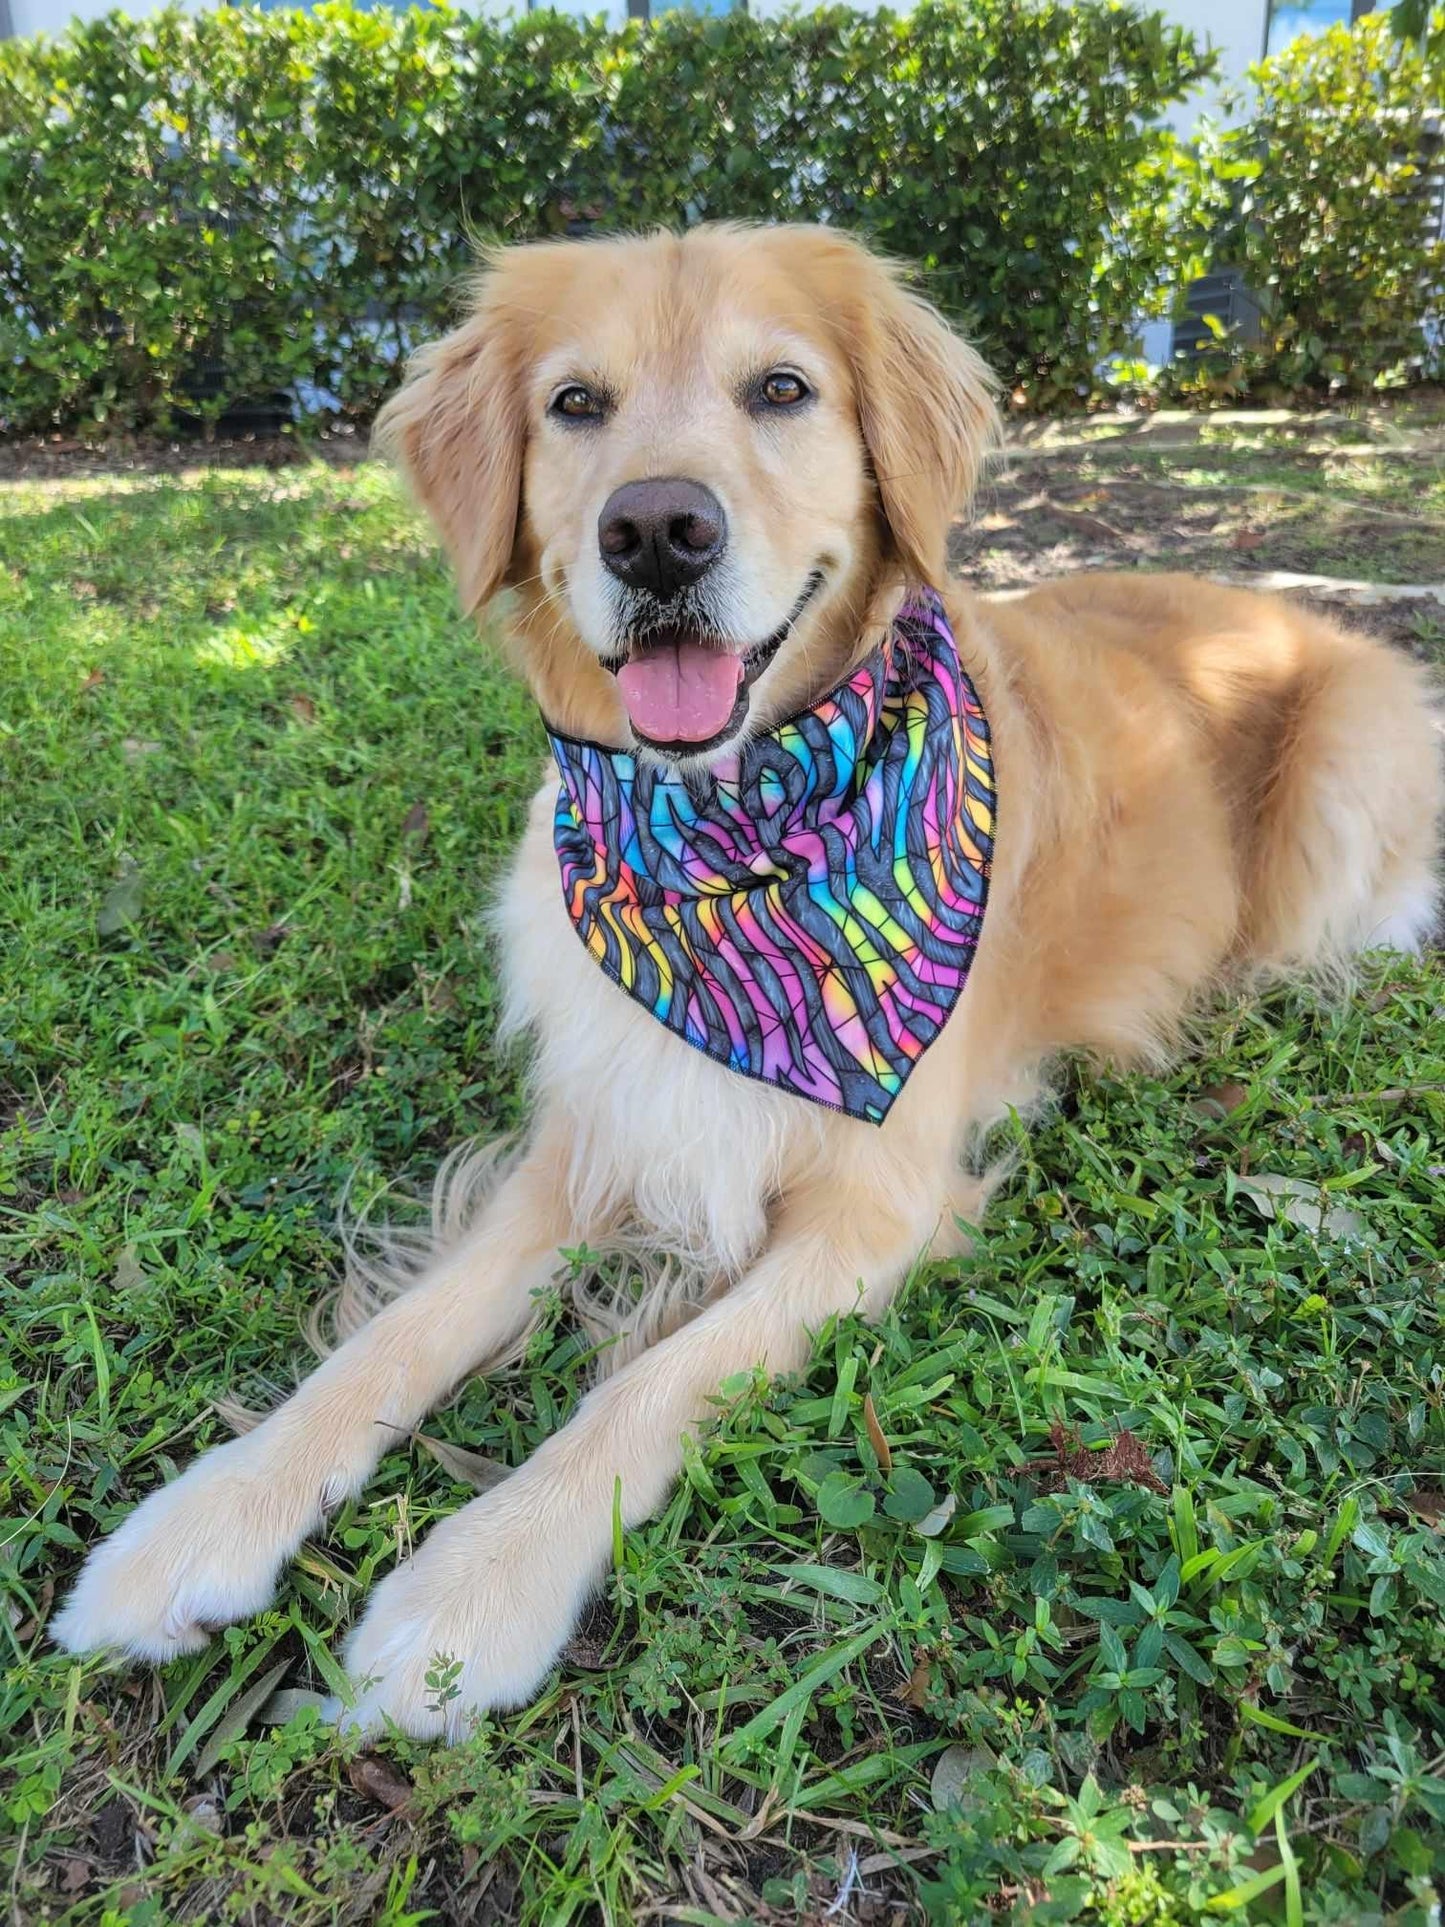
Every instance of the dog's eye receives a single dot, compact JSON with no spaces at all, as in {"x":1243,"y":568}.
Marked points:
{"x":574,"y":403}
{"x":783,"y":389}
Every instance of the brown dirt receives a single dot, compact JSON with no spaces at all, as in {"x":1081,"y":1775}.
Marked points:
{"x":58,"y":458}
{"x":1038,"y":519}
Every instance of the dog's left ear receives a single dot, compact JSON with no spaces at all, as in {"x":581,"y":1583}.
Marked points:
{"x":926,"y":404}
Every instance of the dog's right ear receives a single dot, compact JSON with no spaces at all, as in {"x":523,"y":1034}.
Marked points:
{"x":457,"y":428}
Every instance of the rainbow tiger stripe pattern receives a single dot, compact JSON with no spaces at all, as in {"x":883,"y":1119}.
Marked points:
{"x":809,"y":921}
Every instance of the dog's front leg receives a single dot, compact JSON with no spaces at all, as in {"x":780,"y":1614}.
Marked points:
{"x":477,"y":1618}
{"x":208,"y":1548}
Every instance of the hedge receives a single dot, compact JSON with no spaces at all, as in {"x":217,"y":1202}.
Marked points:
{"x":200,"y":212}
{"x":1338,"y":193}
{"x":196,"y":211}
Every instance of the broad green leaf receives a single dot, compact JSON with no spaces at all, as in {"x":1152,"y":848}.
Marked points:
{"x":910,"y":1496}
{"x":854,"y":1586}
{"x":844,"y":1501}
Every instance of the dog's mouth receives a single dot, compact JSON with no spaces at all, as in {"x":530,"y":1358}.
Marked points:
{"x":686,"y":690}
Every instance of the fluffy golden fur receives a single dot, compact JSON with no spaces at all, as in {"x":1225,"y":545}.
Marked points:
{"x":1194,"y":784}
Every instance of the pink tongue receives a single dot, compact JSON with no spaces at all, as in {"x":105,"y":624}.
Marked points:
{"x":680,"y":692}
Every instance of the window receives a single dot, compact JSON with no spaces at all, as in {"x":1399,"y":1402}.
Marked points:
{"x":1288,"y":19}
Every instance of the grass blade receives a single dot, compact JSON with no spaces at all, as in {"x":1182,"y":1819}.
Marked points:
{"x":1248,"y":1890}
{"x":773,"y":1714}
{"x":1256,"y":1716}
{"x":216,"y":1705}
{"x":1294,"y":1911}
{"x":239,"y":1717}
{"x":1270,"y":1805}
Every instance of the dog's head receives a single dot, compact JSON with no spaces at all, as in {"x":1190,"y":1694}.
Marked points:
{"x":706,"y":465}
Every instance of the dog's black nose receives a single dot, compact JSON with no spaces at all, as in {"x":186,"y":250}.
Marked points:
{"x":662,"y":534}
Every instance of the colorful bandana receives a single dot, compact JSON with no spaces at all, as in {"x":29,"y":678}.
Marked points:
{"x":810,"y":921}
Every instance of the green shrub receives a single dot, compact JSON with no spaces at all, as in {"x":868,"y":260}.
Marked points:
{"x":285,"y":201}
{"x":1331,"y":210}
{"x":201,"y":212}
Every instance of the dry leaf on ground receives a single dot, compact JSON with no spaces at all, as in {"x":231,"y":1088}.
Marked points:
{"x":377,"y":1780}
{"x":1125,"y":1462}
{"x":1300,"y":1202}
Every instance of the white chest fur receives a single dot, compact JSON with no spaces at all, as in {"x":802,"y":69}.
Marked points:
{"x":692,"y":1150}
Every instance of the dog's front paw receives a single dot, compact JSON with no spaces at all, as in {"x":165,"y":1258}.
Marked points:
{"x":473,"y":1623}
{"x":200,"y":1553}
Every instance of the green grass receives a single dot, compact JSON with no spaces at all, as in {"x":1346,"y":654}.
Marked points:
{"x":257,"y":781}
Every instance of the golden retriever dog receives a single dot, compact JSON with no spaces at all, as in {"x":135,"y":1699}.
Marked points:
{"x":711,"y":469}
